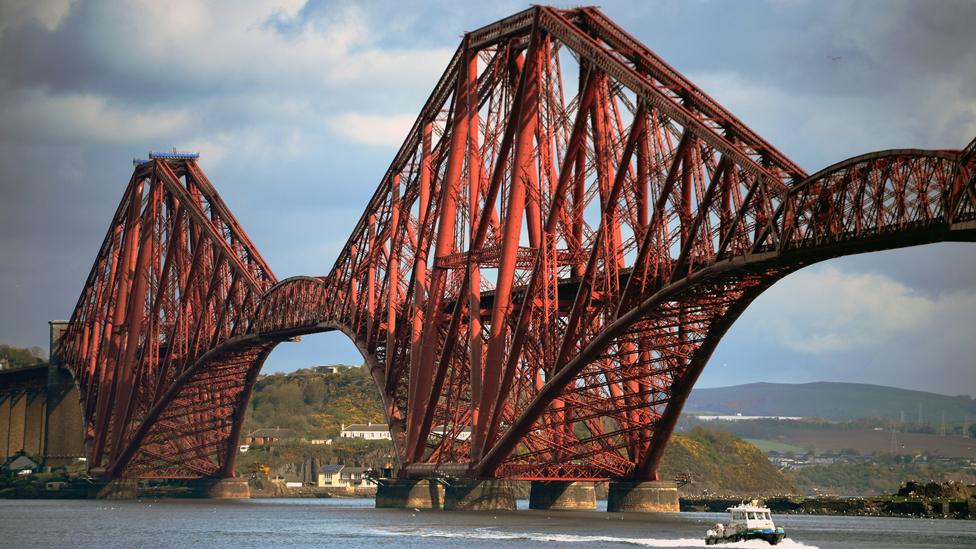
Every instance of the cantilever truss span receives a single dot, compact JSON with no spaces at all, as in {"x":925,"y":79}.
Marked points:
{"x":555,"y":251}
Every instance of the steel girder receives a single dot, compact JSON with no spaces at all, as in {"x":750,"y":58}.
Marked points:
{"x":564,"y":237}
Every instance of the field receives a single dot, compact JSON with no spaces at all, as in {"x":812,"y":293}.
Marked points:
{"x":802,"y":436}
{"x":870,"y":441}
{"x":767,"y":445}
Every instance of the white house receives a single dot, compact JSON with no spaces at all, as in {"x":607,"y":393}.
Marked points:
{"x":439,"y":430}
{"x":329,"y":475}
{"x":340,"y":476}
{"x":22,"y":466}
{"x":368,"y":431}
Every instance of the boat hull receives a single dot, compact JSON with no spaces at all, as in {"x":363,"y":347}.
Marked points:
{"x":772,"y":538}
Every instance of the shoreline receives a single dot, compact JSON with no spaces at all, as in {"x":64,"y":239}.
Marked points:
{"x":856,"y":506}
{"x":872,"y":506}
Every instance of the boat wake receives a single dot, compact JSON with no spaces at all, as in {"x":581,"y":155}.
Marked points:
{"x":496,"y":535}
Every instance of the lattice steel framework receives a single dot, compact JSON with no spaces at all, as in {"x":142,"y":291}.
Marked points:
{"x":174,"y":285}
{"x":555,"y":251}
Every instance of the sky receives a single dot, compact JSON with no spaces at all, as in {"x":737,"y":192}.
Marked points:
{"x":298,"y":107}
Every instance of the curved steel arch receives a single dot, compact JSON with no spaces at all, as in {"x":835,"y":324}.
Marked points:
{"x":567,"y":232}
{"x":745,"y":277}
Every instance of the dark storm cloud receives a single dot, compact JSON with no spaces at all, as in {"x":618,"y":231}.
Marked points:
{"x":92,"y":53}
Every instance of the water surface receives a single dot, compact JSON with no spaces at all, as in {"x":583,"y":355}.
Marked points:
{"x":354,"y":523}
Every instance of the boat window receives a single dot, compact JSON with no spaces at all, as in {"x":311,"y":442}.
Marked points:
{"x":766,"y":516}
{"x":752,"y":516}
{"x":736,"y":516}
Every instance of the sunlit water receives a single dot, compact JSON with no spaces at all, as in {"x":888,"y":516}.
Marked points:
{"x":354,"y":523}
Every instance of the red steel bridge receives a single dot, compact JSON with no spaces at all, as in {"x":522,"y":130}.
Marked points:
{"x":555,"y":251}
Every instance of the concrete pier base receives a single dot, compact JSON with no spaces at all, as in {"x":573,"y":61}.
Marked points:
{"x":410,"y":494}
{"x":120,"y":488}
{"x":480,"y":495}
{"x":562,"y":496}
{"x":228,"y":488}
{"x":643,"y":497}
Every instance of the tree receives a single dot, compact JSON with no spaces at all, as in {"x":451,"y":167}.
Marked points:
{"x":21,"y":358}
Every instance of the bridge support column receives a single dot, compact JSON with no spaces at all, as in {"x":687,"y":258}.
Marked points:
{"x":480,"y":495}
{"x":562,"y":495}
{"x":120,"y":488}
{"x":410,"y":494}
{"x":643,"y":497}
{"x":228,"y":488}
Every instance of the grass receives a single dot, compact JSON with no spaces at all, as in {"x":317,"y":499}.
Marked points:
{"x":767,"y":445}
{"x":719,"y":463}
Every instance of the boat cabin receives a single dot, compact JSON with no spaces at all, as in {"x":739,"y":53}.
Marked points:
{"x":750,"y":517}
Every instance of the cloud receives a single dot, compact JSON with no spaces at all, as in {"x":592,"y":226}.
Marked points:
{"x":237,"y":76}
{"x":825,"y":81}
{"x":70,"y":118}
{"x":273,"y":144}
{"x":369,"y":129}
{"x":827,"y":310}
{"x":188,"y":50}
{"x":829,"y":127}
{"x":48,"y":13}
{"x":830,"y":323}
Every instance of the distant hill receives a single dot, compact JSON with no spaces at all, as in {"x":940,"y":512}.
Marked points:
{"x":832,"y":401}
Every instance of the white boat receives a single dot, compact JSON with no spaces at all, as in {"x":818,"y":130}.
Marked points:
{"x":747,"y":521}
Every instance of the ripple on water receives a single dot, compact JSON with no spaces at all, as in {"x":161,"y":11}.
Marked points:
{"x":542,"y":537}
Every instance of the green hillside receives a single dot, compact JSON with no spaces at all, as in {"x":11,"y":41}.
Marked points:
{"x":722,"y":465}
{"x":314,"y":404}
{"x":832,"y":401}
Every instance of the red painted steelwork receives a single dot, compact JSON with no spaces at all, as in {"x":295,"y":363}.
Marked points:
{"x":176,"y":277}
{"x":559,"y":245}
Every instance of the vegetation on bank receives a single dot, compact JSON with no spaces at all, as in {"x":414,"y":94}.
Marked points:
{"x":288,"y":455}
{"x":721,"y":464}
{"x":17,"y":357}
{"x":314,"y":404}
{"x":869,"y":479}
{"x":72,"y":480}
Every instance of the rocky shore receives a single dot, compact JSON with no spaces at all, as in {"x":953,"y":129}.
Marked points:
{"x":277,"y":490}
{"x":930,"y":500}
